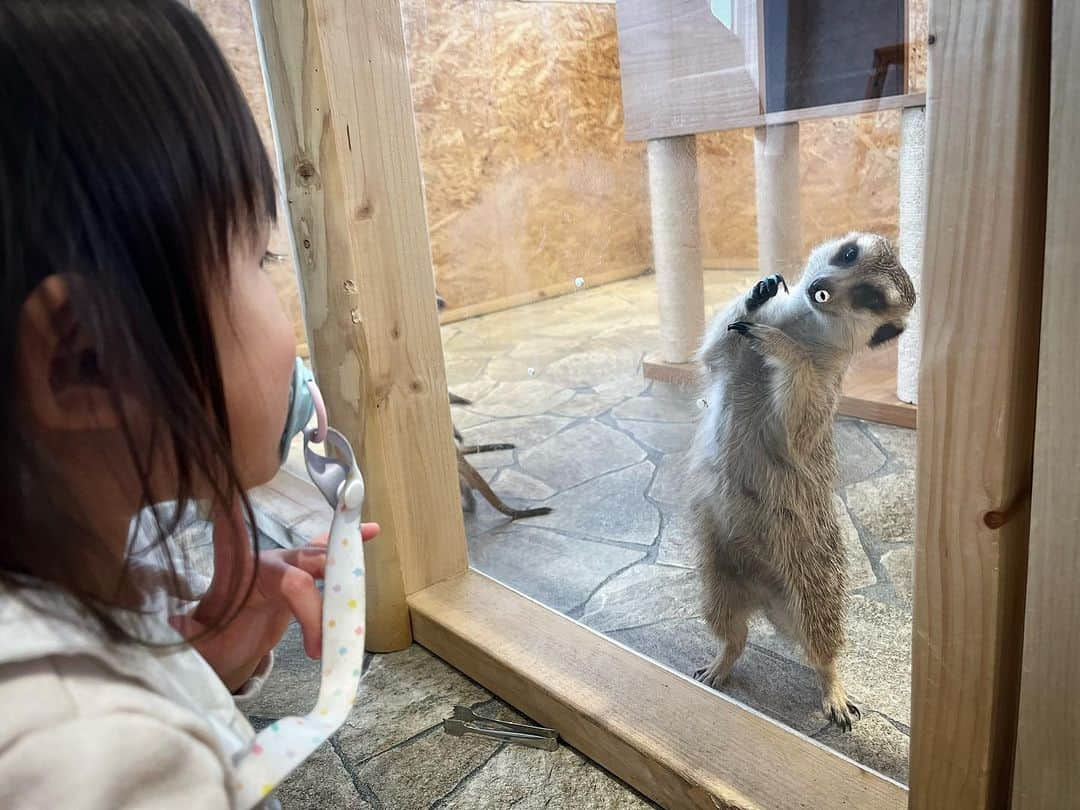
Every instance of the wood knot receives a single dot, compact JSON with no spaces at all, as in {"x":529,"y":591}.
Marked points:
{"x":305,"y":171}
{"x":416,"y":386}
{"x":996,"y":518}
{"x":363,"y":211}
{"x":307,"y":244}
{"x":395,"y":332}
{"x":930,"y":40}
{"x":350,"y":286}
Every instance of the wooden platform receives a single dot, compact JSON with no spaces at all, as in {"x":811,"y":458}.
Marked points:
{"x":675,"y":373}
{"x":869,"y":388}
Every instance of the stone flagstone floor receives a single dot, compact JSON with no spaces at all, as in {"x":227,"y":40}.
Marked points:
{"x":562,"y":380}
{"x":392,"y":754}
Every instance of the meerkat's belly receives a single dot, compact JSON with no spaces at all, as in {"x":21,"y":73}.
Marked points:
{"x":753,"y":489}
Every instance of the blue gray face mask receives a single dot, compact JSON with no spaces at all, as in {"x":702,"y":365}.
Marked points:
{"x":305,"y":401}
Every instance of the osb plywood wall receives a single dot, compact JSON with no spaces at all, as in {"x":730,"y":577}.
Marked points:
{"x":528,"y":179}
{"x":529,"y":182}
{"x":230,"y":22}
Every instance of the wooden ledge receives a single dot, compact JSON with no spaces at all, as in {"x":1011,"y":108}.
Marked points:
{"x":684,"y":374}
{"x":869,"y":388}
{"x":674,"y":740}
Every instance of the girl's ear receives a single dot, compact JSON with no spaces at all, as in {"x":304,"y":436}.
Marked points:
{"x":60,"y":382}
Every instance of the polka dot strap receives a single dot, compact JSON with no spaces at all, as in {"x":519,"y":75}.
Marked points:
{"x":279,"y":748}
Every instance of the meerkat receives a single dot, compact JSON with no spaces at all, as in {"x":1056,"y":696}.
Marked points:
{"x":763,"y":465}
{"x":469,"y":477}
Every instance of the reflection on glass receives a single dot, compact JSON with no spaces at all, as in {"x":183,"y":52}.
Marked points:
{"x":543,"y":234}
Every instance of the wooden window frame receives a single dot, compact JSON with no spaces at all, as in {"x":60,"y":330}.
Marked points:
{"x":342,"y":114}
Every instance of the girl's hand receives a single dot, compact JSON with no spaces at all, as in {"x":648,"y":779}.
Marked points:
{"x":284,"y":588}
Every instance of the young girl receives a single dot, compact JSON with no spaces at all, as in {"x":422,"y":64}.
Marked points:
{"x":144,"y":359}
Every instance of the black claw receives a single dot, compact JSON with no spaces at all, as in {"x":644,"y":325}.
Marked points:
{"x":764,"y":290}
{"x":855,"y":711}
{"x":742,"y":327}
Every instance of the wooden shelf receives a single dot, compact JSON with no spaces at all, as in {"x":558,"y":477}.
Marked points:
{"x":869,"y":388}
{"x":675,"y":373}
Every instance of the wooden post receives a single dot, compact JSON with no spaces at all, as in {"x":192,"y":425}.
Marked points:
{"x":312,"y":174}
{"x":366,"y":276}
{"x":676,"y":235}
{"x":1048,"y":737}
{"x":779,"y":215}
{"x":982,"y":292}
{"x":363,"y":49}
{"x":912,"y":232}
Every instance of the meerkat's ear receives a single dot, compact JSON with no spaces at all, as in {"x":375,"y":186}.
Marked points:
{"x":885,"y":333}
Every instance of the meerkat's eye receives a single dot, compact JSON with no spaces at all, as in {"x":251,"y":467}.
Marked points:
{"x":821,"y":296}
{"x":849,"y":253}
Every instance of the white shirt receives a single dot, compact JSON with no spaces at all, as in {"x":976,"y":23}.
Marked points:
{"x":88,"y":723}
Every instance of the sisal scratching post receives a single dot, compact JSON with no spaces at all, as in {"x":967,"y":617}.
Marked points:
{"x":779,"y":216}
{"x":912,"y":230}
{"x":680,"y":285}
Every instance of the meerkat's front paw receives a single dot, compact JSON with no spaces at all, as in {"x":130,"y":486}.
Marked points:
{"x":765,"y":289}
{"x":754,"y":331}
{"x":839,"y":710}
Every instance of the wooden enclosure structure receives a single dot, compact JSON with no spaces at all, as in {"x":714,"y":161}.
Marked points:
{"x":345,"y":130}
{"x":690,"y":67}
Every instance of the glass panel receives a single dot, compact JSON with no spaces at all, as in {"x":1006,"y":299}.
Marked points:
{"x":577,"y":244}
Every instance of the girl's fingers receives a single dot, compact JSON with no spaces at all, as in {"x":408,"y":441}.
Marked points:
{"x":297,"y":588}
{"x":367,"y":532}
{"x":310,"y":559}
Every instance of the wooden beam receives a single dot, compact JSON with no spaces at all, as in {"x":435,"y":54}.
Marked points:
{"x":981,"y":297}
{"x":390,"y":291}
{"x":671,"y":738}
{"x":566,"y":287}
{"x":1048,"y":737}
{"x":354,"y":349}
{"x":870,"y":105}
{"x":311,"y":169}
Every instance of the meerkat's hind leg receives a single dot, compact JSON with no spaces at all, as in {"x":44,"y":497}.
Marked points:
{"x":727,"y":610}
{"x":468,"y":499}
{"x":734,"y":637}
{"x":838,"y":709}
{"x":822,"y":632}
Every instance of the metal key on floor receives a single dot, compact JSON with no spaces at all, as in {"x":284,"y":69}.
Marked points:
{"x":466,"y":721}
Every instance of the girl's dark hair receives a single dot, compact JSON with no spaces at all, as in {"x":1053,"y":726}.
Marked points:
{"x":129,"y":163}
